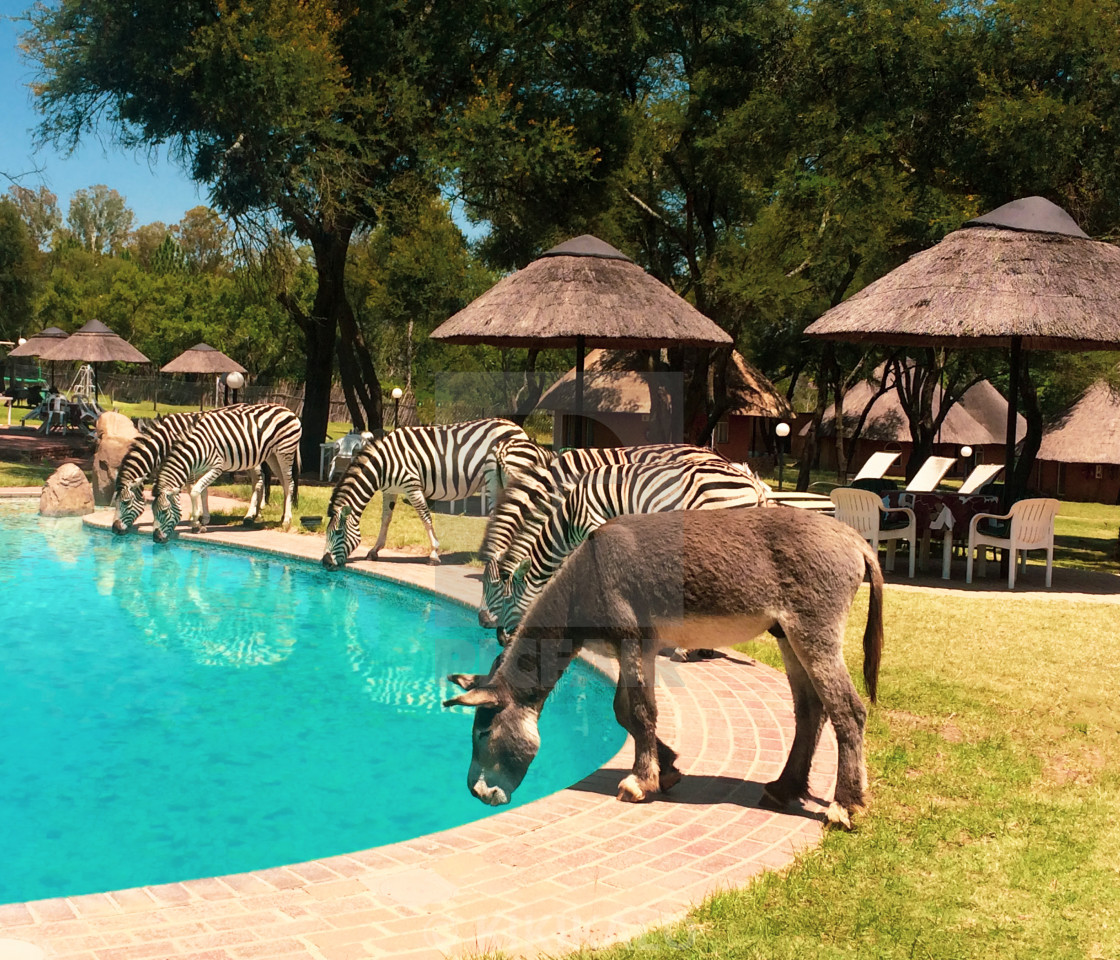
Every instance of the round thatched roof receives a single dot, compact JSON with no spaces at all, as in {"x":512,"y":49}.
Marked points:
{"x":36,"y":344}
{"x":94,"y":343}
{"x":202,"y":358}
{"x":612,"y":385}
{"x":1024,"y":270}
{"x":1089,"y":432}
{"x":581,"y":288}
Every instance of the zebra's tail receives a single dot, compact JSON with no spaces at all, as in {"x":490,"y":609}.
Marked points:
{"x":266,"y":472}
{"x":297,"y":466}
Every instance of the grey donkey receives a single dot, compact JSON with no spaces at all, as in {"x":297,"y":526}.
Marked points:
{"x":690,"y":579}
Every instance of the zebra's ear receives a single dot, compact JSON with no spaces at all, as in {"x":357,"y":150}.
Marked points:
{"x":521,"y":571}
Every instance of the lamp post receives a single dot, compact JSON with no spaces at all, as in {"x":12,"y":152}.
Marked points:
{"x":782,"y":431}
{"x":235,"y":381}
{"x":397,"y":394}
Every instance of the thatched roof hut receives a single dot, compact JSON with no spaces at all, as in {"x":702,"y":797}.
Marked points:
{"x":34,"y":345}
{"x":614,"y":385}
{"x":977,"y":419}
{"x":581,"y":293}
{"x":1026,"y":270}
{"x":202,"y":358}
{"x":94,"y":343}
{"x":1089,"y":432}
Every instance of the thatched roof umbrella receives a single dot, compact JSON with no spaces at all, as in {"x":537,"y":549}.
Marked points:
{"x":582,"y":293}
{"x":94,"y":343}
{"x":1089,"y":432}
{"x":34,"y":345}
{"x":1024,"y":276}
{"x":203,"y":358}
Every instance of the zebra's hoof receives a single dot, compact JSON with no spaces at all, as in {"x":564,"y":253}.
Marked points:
{"x":372,"y":555}
{"x":433,"y":560}
{"x":197,"y":528}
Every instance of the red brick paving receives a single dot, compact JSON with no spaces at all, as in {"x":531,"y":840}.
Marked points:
{"x":572,"y":869}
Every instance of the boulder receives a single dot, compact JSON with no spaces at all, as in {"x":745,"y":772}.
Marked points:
{"x":67,"y":493}
{"x":115,"y":434}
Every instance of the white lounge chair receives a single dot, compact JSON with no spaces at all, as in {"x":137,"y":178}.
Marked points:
{"x":864,"y":512}
{"x":980,"y":475}
{"x":1032,"y":528}
{"x":348,"y":448}
{"x":929,"y":474}
{"x":876,"y":465}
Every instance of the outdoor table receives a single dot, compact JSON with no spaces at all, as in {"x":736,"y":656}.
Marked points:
{"x":941,"y":510}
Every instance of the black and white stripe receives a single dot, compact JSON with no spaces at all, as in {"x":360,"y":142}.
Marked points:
{"x":424,"y":463}
{"x":527,"y":502}
{"x":141,"y":462}
{"x":615,"y":490}
{"x":242,"y":437}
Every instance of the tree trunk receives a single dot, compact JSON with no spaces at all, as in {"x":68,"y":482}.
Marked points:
{"x":812,"y":441}
{"x":318,"y":337}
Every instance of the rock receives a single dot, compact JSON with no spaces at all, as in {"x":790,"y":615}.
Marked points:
{"x":67,"y":493}
{"x":115,"y":434}
{"x":113,"y":424}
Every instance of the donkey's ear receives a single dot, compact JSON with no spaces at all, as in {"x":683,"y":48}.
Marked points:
{"x":476,"y":697}
{"x":468,"y":681}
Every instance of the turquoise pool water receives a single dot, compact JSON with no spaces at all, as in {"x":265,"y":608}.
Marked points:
{"x":175,"y":712}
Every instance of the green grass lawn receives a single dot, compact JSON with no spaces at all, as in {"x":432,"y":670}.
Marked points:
{"x":994,"y":757}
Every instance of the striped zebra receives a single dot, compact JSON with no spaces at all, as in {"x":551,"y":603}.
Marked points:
{"x":424,"y":463}
{"x":526,"y":503}
{"x":610,"y":492}
{"x":241,"y":437}
{"x":141,"y":462}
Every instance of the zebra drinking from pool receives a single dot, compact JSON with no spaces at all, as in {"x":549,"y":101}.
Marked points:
{"x":424,"y":463}
{"x":141,"y":463}
{"x":241,"y":437}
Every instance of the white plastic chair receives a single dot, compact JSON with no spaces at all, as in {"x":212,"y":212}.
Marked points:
{"x":863,"y":511}
{"x":876,"y":465}
{"x":348,"y":448}
{"x":1032,"y":528}
{"x":930,"y":473}
{"x":979,"y":476}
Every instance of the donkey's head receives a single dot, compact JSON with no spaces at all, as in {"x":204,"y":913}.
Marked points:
{"x":165,"y":512}
{"x":504,"y":740}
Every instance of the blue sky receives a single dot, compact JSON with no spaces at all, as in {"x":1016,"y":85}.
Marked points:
{"x":153,"y":190}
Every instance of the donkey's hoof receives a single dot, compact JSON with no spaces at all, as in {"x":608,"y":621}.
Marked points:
{"x":669,"y":778}
{"x":837,"y":817}
{"x":630,"y":791}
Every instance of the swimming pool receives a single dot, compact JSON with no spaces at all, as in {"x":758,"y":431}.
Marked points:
{"x":177,"y":712}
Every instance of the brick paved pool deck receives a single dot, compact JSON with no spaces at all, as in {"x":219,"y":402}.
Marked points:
{"x":572,"y":869}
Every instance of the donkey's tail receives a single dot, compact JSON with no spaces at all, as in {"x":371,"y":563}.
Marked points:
{"x":873,"y":633}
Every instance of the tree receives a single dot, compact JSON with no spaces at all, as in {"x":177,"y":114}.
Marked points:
{"x":204,"y":240}
{"x":18,"y":272}
{"x":99,"y":219}
{"x":39,"y":210}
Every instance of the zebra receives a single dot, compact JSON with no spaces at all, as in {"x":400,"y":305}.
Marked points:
{"x":424,"y":463}
{"x":242,"y":437}
{"x":141,"y":462}
{"x":515,"y":456}
{"x":611,"y":491}
{"x":525,"y":505}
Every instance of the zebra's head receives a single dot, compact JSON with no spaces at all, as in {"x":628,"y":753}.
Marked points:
{"x":165,"y":510}
{"x":493,"y":597}
{"x":343,"y":532}
{"x":130,"y":503}
{"x":512,"y":603}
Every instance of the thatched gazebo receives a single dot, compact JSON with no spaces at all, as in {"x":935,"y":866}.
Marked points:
{"x":1080,"y":452}
{"x":1024,"y":277}
{"x":35,"y":345}
{"x":203,"y":359}
{"x":583,"y":293}
{"x":94,"y":343}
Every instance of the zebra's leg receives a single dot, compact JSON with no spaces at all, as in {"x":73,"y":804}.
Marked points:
{"x":256,"y":478}
{"x":388,"y":501}
{"x":205,"y":506}
{"x":416,"y":498}
{"x":196,"y":497}
{"x":284,"y":471}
